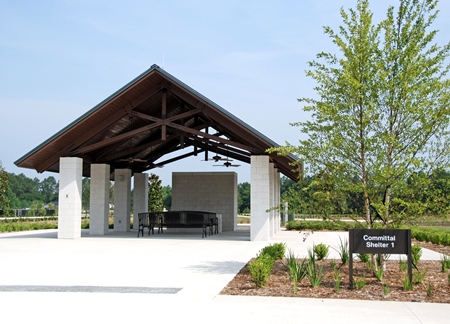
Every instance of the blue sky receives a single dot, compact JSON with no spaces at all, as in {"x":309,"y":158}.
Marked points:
{"x":58,"y":59}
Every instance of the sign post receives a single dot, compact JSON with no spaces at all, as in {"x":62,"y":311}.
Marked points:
{"x":379,"y":241}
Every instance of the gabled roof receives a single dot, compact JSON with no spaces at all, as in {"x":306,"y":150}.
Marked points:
{"x":153,"y":115}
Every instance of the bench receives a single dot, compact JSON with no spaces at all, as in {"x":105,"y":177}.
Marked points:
{"x":148,"y":220}
{"x":185,"y":219}
{"x":179,"y":219}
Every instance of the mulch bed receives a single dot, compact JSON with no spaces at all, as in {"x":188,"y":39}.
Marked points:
{"x":280,"y":284}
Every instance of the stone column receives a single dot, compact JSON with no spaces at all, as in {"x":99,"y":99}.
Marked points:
{"x":273,"y":223}
{"x":69,"y":205}
{"x":122,"y":200}
{"x":260,"y":198}
{"x":276,"y":183}
{"x":140,"y":197}
{"x":99,"y":199}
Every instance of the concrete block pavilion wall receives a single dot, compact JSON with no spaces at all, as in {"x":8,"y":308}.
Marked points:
{"x":264,"y":195}
{"x":203,"y":191}
{"x":69,"y":219}
{"x":69,"y":207}
{"x":207,"y":191}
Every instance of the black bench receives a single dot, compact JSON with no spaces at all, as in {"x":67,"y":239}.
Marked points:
{"x":185,"y":219}
{"x":179,"y":219}
{"x":148,"y":220}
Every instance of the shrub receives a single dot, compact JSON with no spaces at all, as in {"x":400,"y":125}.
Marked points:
{"x":321,"y":225}
{"x":445,"y":263}
{"x":407,"y":284}
{"x":364,"y":257}
{"x":337,"y":280}
{"x":429,"y":290}
{"x":416,"y":253}
{"x":260,"y":269}
{"x":403,"y":265}
{"x":321,"y":251}
{"x":276,"y":251}
{"x":432,"y":235}
{"x":359,"y":283}
{"x":379,"y":273}
{"x":16,"y":226}
{"x":418,"y":276}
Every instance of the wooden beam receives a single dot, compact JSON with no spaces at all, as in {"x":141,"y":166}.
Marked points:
{"x":81,"y":139}
{"x":100,"y":127}
{"x":184,"y":115}
{"x":164,"y":114}
{"x":246,"y":136}
{"x":134,"y":150}
{"x":237,"y":155}
{"x":112,"y":140}
{"x":178,"y":157}
{"x":147,"y":95}
{"x":189,"y":130}
{"x":213,"y":137}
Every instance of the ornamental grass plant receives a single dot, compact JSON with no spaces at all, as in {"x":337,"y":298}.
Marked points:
{"x":297,"y":270}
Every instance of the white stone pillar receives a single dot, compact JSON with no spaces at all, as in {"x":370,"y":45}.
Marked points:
{"x":69,"y":205}
{"x":122,"y":200}
{"x":140,"y":197}
{"x":260,"y":198}
{"x":99,"y":199}
{"x":276,"y":183}
{"x":272,"y":199}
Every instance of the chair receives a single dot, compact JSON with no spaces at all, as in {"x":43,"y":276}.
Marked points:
{"x":143,"y":222}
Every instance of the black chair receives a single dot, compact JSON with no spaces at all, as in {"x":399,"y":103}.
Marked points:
{"x":143,"y":222}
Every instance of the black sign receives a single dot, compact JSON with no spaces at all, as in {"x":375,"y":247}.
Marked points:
{"x":381,"y":241}
{"x":375,"y":241}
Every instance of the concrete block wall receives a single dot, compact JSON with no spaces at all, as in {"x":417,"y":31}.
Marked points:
{"x":140,"y":197}
{"x":122,"y":200}
{"x":261,"y":191}
{"x":99,"y":199}
{"x":265,"y":194}
{"x":69,"y":207}
{"x":207,"y":191}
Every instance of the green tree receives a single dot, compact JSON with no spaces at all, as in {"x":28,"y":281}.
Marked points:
{"x":155,"y":195}
{"x":285,"y":184}
{"x":4,"y":185}
{"x":382,"y":112}
{"x":14,"y":202}
{"x":167,"y":196}
{"x":52,"y":206}
{"x":37,"y":209}
{"x":86,"y":194}
{"x":49,"y":189}
{"x":244,"y":197}
{"x":23,"y":189}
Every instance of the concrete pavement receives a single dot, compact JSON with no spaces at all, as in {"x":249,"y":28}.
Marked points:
{"x":169,"y":277}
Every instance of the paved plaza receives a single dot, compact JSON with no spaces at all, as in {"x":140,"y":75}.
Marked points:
{"x":167,"y":277}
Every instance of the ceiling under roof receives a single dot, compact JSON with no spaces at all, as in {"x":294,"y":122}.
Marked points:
{"x":150,"y":117}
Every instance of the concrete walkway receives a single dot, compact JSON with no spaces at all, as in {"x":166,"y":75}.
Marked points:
{"x":167,"y":277}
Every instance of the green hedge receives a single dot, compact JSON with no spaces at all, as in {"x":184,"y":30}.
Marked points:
{"x":322,"y":225}
{"x":25,"y":226}
{"x":431,"y":235}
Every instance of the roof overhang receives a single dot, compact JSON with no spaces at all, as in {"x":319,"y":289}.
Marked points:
{"x":150,"y":117}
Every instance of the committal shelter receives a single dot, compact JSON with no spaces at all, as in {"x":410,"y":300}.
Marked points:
{"x":133,"y":130}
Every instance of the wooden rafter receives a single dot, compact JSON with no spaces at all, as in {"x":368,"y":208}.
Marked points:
{"x":170,"y":116}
